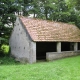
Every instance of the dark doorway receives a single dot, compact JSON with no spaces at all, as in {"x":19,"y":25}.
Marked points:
{"x":43,"y":47}
{"x":66,"y":46}
{"x":78,"y":45}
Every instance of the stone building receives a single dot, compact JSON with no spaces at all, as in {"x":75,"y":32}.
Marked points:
{"x":36,"y":39}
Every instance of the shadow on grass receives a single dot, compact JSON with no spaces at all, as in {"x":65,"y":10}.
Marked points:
{"x":8,"y":61}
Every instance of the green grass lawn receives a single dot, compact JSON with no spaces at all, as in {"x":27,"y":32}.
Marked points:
{"x":64,"y":69}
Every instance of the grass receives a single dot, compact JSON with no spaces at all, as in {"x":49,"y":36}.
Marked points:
{"x":64,"y":69}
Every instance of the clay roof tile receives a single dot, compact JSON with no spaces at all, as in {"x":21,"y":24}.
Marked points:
{"x":43,"y":30}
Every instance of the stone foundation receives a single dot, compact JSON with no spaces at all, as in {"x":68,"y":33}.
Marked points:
{"x":55,"y":55}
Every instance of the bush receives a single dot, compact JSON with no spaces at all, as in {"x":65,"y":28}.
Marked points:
{"x":4,"y":49}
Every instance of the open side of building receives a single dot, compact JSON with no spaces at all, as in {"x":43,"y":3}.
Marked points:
{"x":34,"y":39}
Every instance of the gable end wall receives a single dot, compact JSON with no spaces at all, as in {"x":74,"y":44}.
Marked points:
{"x":22,"y":46}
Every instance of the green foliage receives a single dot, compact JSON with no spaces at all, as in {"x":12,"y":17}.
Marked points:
{"x":77,"y":6}
{"x":5,"y":49}
{"x":7,"y":61}
{"x":2,"y":38}
{"x":7,"y":17}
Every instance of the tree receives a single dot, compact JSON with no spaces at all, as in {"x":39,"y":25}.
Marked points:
{"x":57,"y":10}
{"x":74,"y":10}
{"x":7,"y":17}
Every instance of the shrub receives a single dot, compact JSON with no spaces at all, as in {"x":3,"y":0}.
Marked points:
{"x":5,"y":49}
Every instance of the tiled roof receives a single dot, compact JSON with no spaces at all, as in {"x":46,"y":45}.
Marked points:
{"x":43,"y":30}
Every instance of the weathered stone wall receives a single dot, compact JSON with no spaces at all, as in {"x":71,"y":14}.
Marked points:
{"x":56,"y":55}
{"x":22,"y":47}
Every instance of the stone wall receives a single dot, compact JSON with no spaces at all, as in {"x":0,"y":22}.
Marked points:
{"x":22,"y":47}
{"x":55,"y":55}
